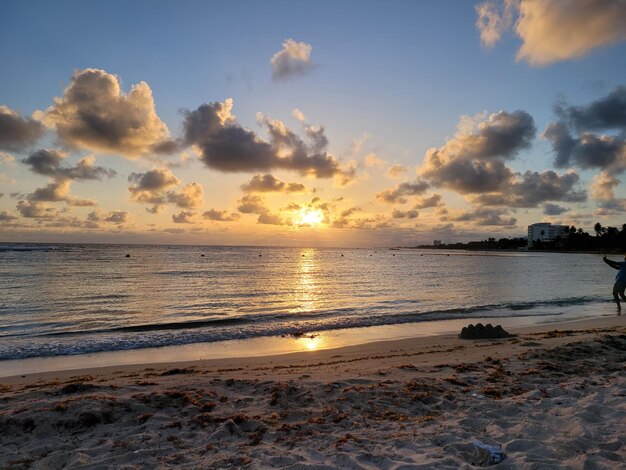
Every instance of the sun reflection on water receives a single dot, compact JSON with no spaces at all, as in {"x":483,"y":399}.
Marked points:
{"x":306,"y":288}
{"x":311,"y":343}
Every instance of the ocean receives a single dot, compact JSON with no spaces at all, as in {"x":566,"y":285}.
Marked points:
{"x":68,"y":299}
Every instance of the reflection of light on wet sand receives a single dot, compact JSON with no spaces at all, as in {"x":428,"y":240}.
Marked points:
{"x":311,"y":343}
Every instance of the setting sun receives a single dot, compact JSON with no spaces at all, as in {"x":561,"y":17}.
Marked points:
{"x":310,"y":217}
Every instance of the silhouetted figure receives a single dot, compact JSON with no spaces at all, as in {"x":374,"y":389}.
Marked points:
{"x":620,"y":279}
{"x":128,"y":256}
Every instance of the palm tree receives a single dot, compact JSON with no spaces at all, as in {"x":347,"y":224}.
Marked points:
{"x":599,"y":229}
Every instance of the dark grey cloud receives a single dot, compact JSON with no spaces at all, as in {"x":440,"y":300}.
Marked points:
{"x":270,"y":184}
{"x":410,"y":214}
{"x":114,"y":217}
{"x":268,"y":218}
{"x":228,"y":147}
{"x":47,"y":162}
{"x":503,"y":135}
{"x":58,"y":191}
{"x":606,"y":113}
{"x":563,"y":144}
{"x":398,"y":194}
{"x":251,"y":204}
{"x":532,"y":188}
{"x":183,"y":217}
{"x":95,"y":114}
{"x":426,"y":202}
{"x":191,"y":196}
{"x":36,"y":210}
{"x":473,"y":160}
{"x":17,"y":133}
{"x":484,"y":216}
{"x":469,"y":176}
{"x":554,"y":209}
{"x":153,"y":180}
{"x":587,"y":150}
{"x":152,"y":187}
{"x":575,"y":139}
{"x":166,"y":147}
{"x":221,"y":216}
{"x":6,"y":217}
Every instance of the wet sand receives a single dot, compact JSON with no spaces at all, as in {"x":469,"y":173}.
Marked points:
{"x":553,"y":396}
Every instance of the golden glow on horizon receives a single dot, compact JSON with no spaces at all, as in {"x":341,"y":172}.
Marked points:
{"x":310,"y":217}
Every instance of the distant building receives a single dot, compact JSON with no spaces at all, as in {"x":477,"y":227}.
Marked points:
{"x":546,"y":232}
{"x":437,"y":242}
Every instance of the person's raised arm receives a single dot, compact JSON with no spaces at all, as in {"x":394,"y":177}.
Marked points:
{"x":613,"y":264}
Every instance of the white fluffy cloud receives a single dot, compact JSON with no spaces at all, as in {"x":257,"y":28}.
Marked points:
{"x":293,"y":60}
{"x":554,"y":30}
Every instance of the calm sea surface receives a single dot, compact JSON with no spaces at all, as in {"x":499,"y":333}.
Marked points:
{"x":72,"y":299}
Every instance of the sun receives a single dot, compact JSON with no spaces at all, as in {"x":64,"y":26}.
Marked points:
{"x":311,"y":217}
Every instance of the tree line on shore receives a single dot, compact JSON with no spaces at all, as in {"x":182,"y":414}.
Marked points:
{"x":606,"y":239}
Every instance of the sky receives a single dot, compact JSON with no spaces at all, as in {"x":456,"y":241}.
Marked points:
{"x":328,"y":123}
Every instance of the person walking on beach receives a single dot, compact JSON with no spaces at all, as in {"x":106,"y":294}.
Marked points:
{"x":620,"y":279}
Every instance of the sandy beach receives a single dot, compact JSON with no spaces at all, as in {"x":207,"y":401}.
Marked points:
{"x":553,"y":396}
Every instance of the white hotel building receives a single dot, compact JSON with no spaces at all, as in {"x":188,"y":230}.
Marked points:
{"x":546,"y":232}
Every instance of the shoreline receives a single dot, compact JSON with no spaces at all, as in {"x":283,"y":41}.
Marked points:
{"x":303,"y":355}
{"x":279,"y":345}
{"x":552,"y":396}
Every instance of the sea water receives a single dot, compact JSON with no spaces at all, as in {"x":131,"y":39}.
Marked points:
{"x":62,"y":299}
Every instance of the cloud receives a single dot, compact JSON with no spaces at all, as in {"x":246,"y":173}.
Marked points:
{"x":6,"y":217}
{"x":493,"y":20}
{"x":269,"y":184}
{"x":606,"y":113}
{"x":410,"y":214}
{"x":189,"y":197}
{"x":226,"y":146}
{"x":396,"y":171}
{"x":271,"y":219}
{"x":36,"y":210}
{"x":47,"y":162}
{"x":7,"y":159}
{"x":17,"y":133}
{"x":473,"y":160}
{"x":293,"y":60}
{"x":554,"y":31}
{"x":114,"y":217}
{"x":531,"y":188}
{"x":574,"y":138}
{"x":546,"y":27}
{"x":95,"y":114}
{"x":554,"y":209}
{"x":602,"y":190}
{"x":398,"y":194}
{"x":156,"y":179}
{"x":371,"y":160}
{"x":221,"y":216}
{"x":58,"y":191}
{"x":426,"y":202}
{"x":152,"y":188}
{"x":251,"y":204}
{"x":485,"y":217}
{"x":183,"y":217}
